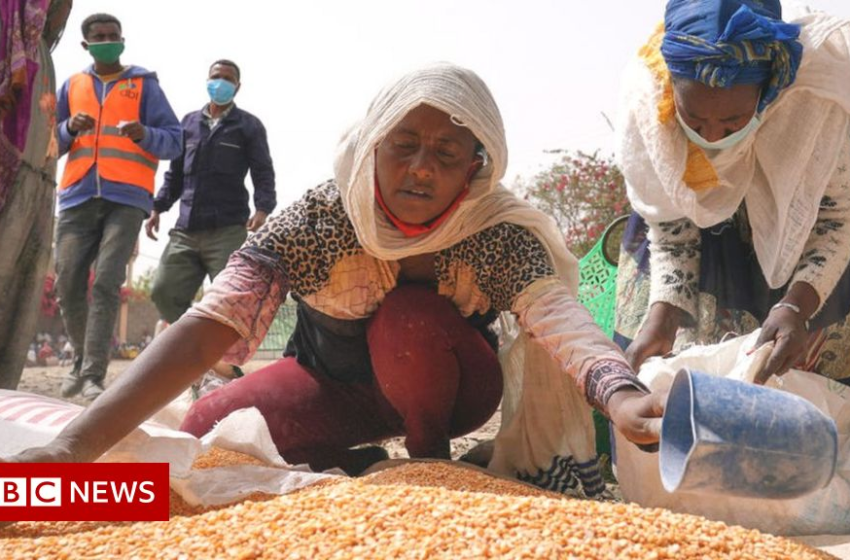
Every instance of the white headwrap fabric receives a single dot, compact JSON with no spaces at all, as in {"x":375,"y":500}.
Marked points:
{"x":461,"y":94}
{"x":781,"y":170}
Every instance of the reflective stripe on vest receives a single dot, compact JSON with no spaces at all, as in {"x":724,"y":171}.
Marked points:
{"x":118,"y":158}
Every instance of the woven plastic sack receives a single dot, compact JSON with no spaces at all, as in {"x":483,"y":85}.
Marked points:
{"x":28,"y":420}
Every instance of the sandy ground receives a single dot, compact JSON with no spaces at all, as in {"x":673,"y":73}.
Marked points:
{"x":46,"y":380}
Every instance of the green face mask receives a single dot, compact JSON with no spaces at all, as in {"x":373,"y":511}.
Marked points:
{"x":106,"y":53}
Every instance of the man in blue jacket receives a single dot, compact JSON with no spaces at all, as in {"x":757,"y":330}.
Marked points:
{"x":115,"y":123}
{"x":222,"y":144}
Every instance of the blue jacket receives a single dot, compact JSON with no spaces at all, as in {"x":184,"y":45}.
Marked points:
{"x":163,"y":139}
{"x":209,"y":177}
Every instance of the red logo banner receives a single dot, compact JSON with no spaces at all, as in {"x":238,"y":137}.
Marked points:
{"x":84,"y":492}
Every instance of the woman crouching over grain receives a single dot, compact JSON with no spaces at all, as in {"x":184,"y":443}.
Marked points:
{"x":399,"y":264}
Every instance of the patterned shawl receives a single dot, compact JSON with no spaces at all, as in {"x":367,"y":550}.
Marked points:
{"x":21,"y":24}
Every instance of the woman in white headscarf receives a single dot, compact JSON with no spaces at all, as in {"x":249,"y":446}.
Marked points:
{"x":735,"y":145}
{"x":399,"y":265}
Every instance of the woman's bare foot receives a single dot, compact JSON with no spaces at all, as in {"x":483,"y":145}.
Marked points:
{"x":480,"y":455}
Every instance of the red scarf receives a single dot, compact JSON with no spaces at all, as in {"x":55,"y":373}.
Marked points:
{"x":415,"y":230}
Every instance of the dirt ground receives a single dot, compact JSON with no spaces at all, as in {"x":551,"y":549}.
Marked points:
{"x":46,"y":380}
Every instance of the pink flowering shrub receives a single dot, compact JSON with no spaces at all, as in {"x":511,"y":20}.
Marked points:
{"x":583,"y":193}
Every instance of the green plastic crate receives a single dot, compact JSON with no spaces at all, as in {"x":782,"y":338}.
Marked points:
{"x":597,"y":288}
{"x":598,"y":291}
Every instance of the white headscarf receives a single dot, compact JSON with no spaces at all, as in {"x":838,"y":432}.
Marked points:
{"x":461,"y":94}
{"x":781,"y":170}
{"x":544,"y":416}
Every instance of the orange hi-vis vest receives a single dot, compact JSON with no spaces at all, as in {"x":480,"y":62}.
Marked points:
{"x":118,"y":158}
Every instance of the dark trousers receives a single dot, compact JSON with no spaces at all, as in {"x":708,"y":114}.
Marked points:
{"x":187,"y":259}
{"x":104,"y":233}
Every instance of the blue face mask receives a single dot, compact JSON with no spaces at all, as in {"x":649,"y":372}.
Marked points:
{"x":221,"y":91}
{"x":723,"y":143}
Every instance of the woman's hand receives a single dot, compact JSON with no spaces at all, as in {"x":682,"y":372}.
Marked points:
{"x":637,"y":415}
{"x":656,"y":336}
{"x":55,"y":452}
{"x":788,"y":329}
{"x":786,"y":325}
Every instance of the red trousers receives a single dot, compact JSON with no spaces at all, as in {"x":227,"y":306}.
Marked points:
{"x":435,"y":377}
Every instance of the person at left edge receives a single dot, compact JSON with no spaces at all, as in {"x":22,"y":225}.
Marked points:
{"x":115,"y":124}
{"x":28,"y":154}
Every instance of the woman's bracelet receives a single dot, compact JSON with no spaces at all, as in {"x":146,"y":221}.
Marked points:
{"x":793,"y":307}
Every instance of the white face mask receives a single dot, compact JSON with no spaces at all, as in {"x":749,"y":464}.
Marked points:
{"x":723,"y":143}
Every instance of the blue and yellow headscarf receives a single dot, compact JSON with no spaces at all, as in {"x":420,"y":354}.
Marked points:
{"x":722,"y":43}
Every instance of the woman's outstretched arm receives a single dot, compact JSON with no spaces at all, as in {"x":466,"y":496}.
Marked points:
{"x":166,"y":368}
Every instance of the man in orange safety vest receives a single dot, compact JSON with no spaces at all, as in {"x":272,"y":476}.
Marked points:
{"x":115,"y":124}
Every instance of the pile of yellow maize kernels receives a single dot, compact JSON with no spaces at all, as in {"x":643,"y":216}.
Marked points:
{"x":417,"y":510}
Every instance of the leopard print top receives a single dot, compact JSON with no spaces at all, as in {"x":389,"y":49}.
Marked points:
{"x":311,"y":251}
{"x":315,"y":247}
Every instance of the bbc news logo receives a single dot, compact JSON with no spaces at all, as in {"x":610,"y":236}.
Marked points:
{"x":47,"y":492}
{"x":84,"y":492}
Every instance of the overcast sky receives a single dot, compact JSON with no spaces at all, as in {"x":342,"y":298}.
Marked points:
{"x":310,"y":68}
